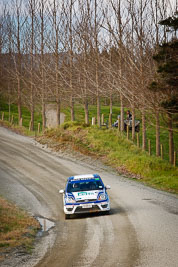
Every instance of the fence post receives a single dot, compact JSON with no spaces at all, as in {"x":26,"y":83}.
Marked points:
{"x":138,"y":141}
{"x":174,"y":158}
{"x":119,"y":124}
{"x":21,"y":121}
{"x":102,"y":119}
{"x":127,"y":132}
{"x":2,"y":116}
{"x":12,"y":119}
{"x":149,"y":147}
{"x":30,"y":125}
{"x":161,"y":147}
{"x":110,"y":120}
{"x":93,"y":121}
{"x":38,"y":127}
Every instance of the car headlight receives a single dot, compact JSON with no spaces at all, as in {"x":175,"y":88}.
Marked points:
{"x":102,"y":197}
{"x":70,"y":199}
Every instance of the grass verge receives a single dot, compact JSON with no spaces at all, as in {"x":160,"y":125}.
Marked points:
{"x":19,"y":129}
{"x":17,"y":228}
{"x":80,"y":117}
{"x":116,"y":151}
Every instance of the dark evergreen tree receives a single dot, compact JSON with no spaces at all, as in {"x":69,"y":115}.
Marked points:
{"x":167,"y":82}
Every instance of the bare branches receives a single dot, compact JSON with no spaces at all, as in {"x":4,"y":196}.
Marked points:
{"x":82,"y":50}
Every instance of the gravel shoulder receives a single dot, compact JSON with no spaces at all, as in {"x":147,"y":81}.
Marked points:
{"x":140,"y":231}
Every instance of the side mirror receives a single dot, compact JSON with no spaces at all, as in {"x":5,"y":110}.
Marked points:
{"x":108,"y":186}
{"x":61,"y":191}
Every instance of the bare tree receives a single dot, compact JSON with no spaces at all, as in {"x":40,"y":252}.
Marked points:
{"x":71,"y":58}
{"x":56,"y":40}
{"x":42,"y":62}
{"x":18,"y":24}
{"x":32,"y":16}
{"x":97,"y":64}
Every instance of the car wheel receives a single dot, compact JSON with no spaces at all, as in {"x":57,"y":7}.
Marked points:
{"x":107,"y":212}
{"x":67,"y":216}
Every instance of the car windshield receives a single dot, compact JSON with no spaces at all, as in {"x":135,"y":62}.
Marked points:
{"x":84,"y":186}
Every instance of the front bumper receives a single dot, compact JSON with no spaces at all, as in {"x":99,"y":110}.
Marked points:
{"x":88,"y":207}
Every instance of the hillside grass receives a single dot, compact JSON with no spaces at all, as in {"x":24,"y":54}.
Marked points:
{"x":17,"y":228}
{"x":113,"y":148}
{"x":150,"y":130}
{"x":4,"y":107}
{"x":119,"y":152}
{"x":79,"y":117}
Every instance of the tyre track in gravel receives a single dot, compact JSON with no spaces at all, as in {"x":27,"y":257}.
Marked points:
{"x":32,"y":176}
{"x":78,"y":242}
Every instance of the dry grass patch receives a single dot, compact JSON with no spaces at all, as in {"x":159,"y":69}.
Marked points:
{"x":17,"y":228}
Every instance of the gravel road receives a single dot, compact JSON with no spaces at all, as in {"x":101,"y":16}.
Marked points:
{"x":141,"y":230}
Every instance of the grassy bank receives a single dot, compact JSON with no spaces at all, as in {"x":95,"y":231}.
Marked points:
{"x":150,"y":126}
{"x":122,"y":154}
{"x":117,"y":152}
{"x":80,"y":117}
{"x":17,"y":229}
{"x":4,"y":108}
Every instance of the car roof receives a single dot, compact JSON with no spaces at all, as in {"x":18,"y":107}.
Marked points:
{"x":84,"y":177}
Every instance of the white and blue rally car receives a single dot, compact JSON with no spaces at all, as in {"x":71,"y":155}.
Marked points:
{"x":84,"y":194}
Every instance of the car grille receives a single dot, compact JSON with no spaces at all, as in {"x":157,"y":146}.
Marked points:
{"x":86,"y":200}
{"x":104,"y":206}
{"x":69,"y":209}
{"x":94,"y":208}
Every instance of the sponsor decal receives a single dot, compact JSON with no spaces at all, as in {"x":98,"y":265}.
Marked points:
{"x":85,"y":193}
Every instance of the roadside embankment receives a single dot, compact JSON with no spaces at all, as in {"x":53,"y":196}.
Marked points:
{"x":114,"y":150}
{"x":17,"y":228}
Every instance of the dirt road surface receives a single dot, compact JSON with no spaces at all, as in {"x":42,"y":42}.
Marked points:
{"x":141,"y":230}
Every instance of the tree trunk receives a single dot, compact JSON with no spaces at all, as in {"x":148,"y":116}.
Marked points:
{"x":72,"y":113}
{"x":98,"y":111}
{"x":143,"y":131}
{"x":32,"y":116}
{"x":43,"y":99}
{"x":57,"y":88}
{"x":43,"y":115}
{"x":122,"y":113}
{"x":110,"y":106}
{"x":133,"y":122}
{"x":19,"y":67}
{"x":71,"y":62}
{"x":171,"y":140}
{"x":157,"y":134}
{"x":58,"y":111}
{"x":97,"y":67}
{"x":32,"y":97}
{"x":32,"y":8}
{"x":42,"y":66}
{"x":9,"y":103}
{"x":19,"y":100}
{"x":86,"y":111}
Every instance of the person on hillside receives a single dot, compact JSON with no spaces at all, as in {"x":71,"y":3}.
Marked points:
{"x":129,"y":115}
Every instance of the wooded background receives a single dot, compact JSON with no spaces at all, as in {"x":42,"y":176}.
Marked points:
{"x":88,"y":51}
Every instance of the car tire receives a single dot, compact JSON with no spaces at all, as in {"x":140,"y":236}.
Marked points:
{"x":67,"y":216}
{"x":107,"y":212}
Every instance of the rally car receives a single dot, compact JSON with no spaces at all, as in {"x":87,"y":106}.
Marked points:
{"x":84,"y":194}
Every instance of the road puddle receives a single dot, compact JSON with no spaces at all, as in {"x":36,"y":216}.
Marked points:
{"x":46,"y":225}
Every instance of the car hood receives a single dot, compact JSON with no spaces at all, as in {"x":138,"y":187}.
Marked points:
{"x":84,"y":195}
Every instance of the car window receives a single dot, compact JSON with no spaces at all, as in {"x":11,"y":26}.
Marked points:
{"x":84,"y":186}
